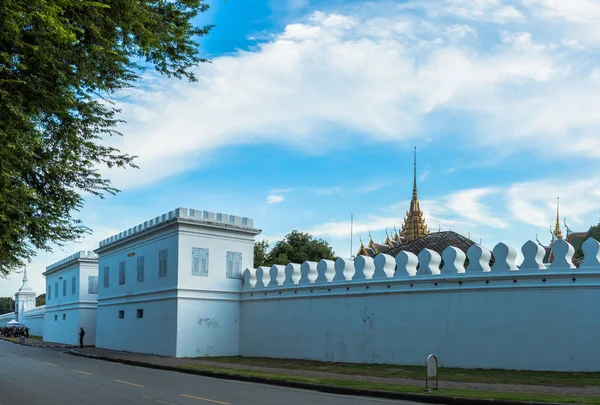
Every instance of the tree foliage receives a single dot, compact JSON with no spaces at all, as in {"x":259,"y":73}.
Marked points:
{"x":7,"y":305}
{"x":40,"y":300}
{"x":61,"y":62}
{"x":593,"y":232}
{"x":296,"y":247}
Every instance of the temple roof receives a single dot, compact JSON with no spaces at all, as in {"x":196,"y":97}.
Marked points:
{"x":437,"y":241}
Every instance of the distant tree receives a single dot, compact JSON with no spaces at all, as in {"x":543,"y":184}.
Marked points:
{"x":261,"y":249}
{"x":298,"y":247}
{"x":40,"y":300}
{"x":7,"y":305}
{"x":593,"y":232}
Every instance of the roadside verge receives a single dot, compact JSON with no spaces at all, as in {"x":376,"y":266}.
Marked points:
{"x":342,"y":387}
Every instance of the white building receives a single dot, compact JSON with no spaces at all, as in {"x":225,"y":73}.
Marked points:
{"x":71,"y":299}
{"x":171,"y":285}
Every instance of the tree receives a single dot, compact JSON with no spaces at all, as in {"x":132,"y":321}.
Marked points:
{"x":593,"y":232}
{"x":61,"y":63}
{"x":40,"y":300}
{"x":296,"y":247}
{"x":260,"y":253}
{"x":7,"y":305}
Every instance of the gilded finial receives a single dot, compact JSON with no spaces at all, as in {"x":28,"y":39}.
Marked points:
{"x":557,"y":231}
{"x":414,"y":226}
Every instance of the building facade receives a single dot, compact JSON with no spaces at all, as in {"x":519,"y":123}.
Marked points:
{"x":71,"y":299}
{"x":170,"y":286}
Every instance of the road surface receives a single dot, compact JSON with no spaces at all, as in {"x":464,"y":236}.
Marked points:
{"x":40,"y":376}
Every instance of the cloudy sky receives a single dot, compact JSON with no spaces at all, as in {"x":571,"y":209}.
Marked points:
{"x":311,"y":108}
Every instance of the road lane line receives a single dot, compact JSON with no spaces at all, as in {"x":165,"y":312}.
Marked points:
{"x":29,"y":358}
{"x":204,"y":399}
{"x":128,"y":383}
{"x":51,"y":364}
{"x":82,"y":372}
{"x":158,"y":400}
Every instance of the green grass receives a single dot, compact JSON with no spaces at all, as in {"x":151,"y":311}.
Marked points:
{"x":32,"y":337}
{"x":549,"y":378}
{"x":465,"y":393}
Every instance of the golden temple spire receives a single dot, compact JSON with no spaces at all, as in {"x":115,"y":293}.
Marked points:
{"x":414,"y":226}
{"x":557,"y":231}
{"x":372,"y":244}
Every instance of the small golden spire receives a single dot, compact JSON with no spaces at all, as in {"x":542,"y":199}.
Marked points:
{"x":372,"y":244}
{"x":362,"y":251}
{"x":557,"y":231}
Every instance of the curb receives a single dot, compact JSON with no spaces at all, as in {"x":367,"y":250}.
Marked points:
{"x":360,"y":392}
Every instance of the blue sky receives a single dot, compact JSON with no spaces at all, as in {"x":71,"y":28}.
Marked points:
{"x":310,"y":110}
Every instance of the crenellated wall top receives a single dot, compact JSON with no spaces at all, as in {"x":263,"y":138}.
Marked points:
{"x":193,"y":215}
{"x":81,"y":255}
{"x":429,"y":265}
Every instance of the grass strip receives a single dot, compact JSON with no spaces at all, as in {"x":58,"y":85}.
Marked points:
{"x":491,"y":376}
{"x":453,"y":392}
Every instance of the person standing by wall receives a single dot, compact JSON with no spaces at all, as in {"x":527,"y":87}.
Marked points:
{"x":81,"y":335}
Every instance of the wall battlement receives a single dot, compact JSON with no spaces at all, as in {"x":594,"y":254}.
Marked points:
{"x":207,"y":217}
{"x":427,"y":267}
{"x":82,"y":254}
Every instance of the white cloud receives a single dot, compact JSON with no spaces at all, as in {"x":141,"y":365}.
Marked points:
{"x":275,"y":199}
{"x":330,"y":69}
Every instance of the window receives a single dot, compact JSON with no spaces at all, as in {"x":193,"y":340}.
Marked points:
{"x":121,"y":314}
{"x":64,"y":317}
{"x":199,"y":262}
{"x":139,"y":313}
{"x":56,"y":290}
{"x":219,"y":217}
{"x":234,"y":265}
{"x":49,"y":292}
{"x":162,"y":263}
{"x":92,"y":284}
{"x":232,"y":218}
{"x":64,"y":288}
{"x":106,"y":273}
{"x":140,"y":268}
{"x":121,"y":273}
{"x":56,"y":317}
{"x":73,"y":285}
{"x":245,"y":221}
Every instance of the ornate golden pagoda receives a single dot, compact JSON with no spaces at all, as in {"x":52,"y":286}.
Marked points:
{"x":414,"y":226}
{"x":363,"y":250}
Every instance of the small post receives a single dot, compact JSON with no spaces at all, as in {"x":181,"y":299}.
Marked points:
{"x":432,"y":371}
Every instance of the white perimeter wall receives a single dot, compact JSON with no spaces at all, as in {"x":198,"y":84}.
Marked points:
{"x":34,"y":320}
{"x":527,"y":319}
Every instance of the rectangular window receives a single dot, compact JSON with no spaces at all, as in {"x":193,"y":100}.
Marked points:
{"x":219,"y":217}
{"x":56,"y":290}
{"x":92,"y":284}
{"x":162,"y":263}
{"x":64,"y":317}
{"x":49,"y":292}
{"x":139,"y":313}
{"x":232,"y":218}
{"x":244,"y":221}
{"x":73,"y":285}
{"x":140,"y":268}
{"x":56,"y":317}
{"x":64,"y":288}
{"x":234,"y":265}
{"x":199,"y":262}
{"x":106,"y":273}
{"x":121,"y":314}
{"x":121,"y":273}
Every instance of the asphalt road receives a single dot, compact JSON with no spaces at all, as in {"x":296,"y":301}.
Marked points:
{"x":39,"y":376}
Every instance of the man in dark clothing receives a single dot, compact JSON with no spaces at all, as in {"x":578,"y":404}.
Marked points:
{"x":81,"y":335}
{"x":27,"y":333}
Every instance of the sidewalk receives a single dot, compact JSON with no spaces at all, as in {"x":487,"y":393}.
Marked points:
{"x":36,"y":343}
{"x":169,"y":362}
